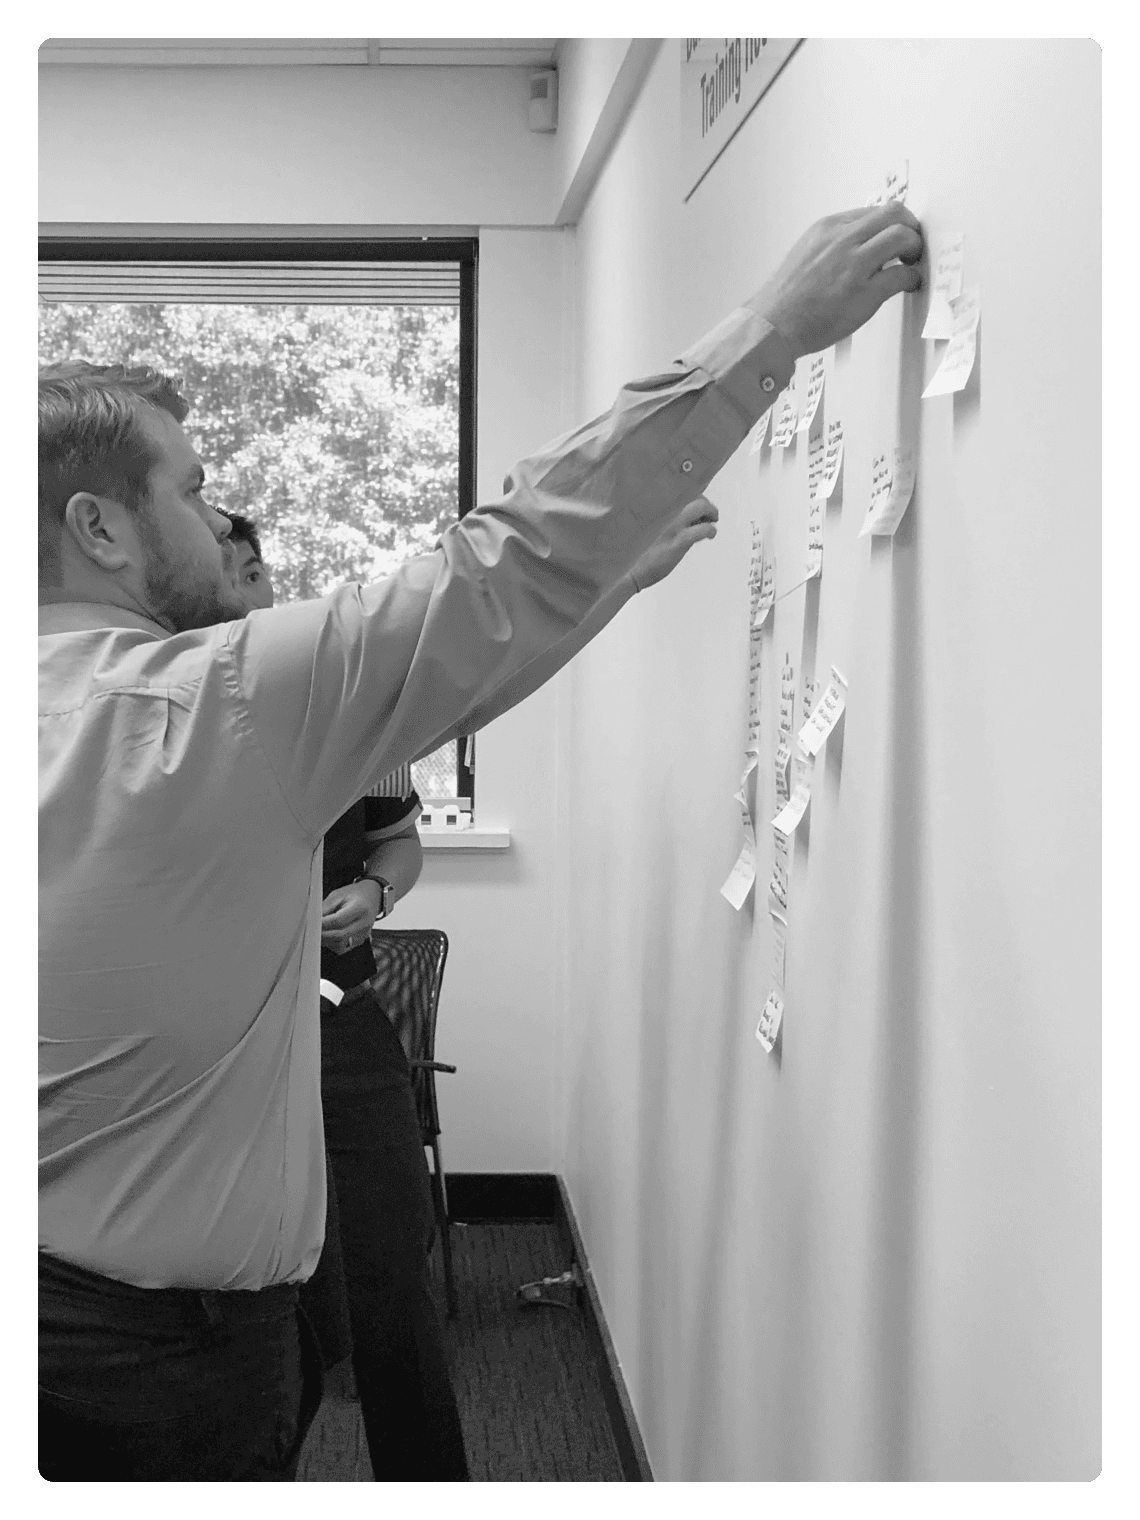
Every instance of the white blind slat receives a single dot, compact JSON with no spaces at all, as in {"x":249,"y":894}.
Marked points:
{"x":348,"y":284}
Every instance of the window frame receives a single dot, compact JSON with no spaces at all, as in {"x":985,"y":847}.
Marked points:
{"x":338,"y":249}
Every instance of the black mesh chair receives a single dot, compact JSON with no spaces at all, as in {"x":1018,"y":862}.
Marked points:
{"x":409,"y":973}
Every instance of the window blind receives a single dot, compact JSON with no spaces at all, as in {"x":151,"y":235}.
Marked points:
{"x":393,"y":283}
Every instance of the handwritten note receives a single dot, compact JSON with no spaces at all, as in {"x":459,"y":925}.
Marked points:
{"x":817,"y":451}
{"x":813,"y":736}
{"x":958,"y":360}
{"x":787,"y":695}
{"x":832,"y":459}
{"x":892,"y":485}
{"x":769,"y":1025}
{"x":895,"y":185}
{"x":784,"y":427}
{"x":780,"y":766}
{"x":945,"y":287}
{"x":781,"y":871}
{"x":787,"y":820}
{"x":814,"y":564}
{"x":767,"y":591}
{"x":779,"y":948}
{"x":811,"y":692}
{"x":750,"y":763}
{"x":755,"y":659}
{"x":817,"y":365}
{"x":755,"y":567}
{"x":740,"y":879}
{"x":760,"y":432}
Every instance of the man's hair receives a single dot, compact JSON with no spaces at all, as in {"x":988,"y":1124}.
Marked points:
{"x":91,"y":439}
{"x":243,"y":531}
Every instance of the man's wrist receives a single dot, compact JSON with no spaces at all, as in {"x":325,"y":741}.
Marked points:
{"x":385,"y":892}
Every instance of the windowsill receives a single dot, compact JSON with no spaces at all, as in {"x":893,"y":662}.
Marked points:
{"x":465,"y":839}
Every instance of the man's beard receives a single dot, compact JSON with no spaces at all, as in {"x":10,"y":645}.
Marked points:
{"x":175,"y":599}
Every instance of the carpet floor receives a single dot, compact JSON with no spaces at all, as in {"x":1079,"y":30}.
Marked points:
{"x":526,"y":1379}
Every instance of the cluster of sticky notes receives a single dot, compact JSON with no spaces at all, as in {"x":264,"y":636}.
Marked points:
{"x":892,"y":485}
{"x":761,"y":581}
{"x":760,"y":432}
{"x":779,"y":885}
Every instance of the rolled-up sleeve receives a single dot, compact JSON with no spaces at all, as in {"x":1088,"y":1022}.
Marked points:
{"x":341,"y":690}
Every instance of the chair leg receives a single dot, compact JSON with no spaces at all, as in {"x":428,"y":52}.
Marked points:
{"x":439,"y":1196}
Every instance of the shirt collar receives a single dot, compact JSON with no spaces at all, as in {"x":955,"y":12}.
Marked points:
{"x":81,"y":617}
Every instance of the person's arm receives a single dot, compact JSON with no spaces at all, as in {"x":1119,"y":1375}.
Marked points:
{"x":697,"y":521}
{"x":348,"y":913}
{"x":342,"y":688}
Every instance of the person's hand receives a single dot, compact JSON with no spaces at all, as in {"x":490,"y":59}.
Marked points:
{"x":698,"y":520}
{"x":834,"y":278}
{"x":347,"y":916}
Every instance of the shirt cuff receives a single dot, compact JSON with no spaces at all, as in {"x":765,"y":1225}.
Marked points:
{"x":747,"y":359}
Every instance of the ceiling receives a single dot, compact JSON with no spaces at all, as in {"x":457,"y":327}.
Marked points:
{"x":501,"y":52}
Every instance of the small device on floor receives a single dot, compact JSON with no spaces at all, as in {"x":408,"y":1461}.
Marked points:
{"x":559,"y":1292}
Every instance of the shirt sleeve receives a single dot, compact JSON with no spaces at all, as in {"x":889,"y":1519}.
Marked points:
{"x":344,"y":689}
{"x":385,"y":817}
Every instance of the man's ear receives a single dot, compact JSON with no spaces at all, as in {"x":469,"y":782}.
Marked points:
{"x":101,"y":530}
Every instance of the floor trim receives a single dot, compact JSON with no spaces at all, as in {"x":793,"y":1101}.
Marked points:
{"x":475,"y":1196}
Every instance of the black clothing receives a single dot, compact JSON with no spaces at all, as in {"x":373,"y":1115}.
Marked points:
{"x":380,"y":1222}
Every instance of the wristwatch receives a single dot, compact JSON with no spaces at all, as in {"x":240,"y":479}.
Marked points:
{"x":387,"y":892}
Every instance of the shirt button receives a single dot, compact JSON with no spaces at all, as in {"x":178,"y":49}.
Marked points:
{"x":767,"y":384}
{"x":686,"y":465}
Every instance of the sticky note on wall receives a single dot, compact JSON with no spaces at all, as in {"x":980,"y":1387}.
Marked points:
{"x":958,"y":359}
{"x":817,"y":366}
{"x":787,"y":820}
{"x":945,"y":287}
{"x":892,"y":485}
{"x":827,"y":713}
{"x":761,"y":432}
{"x":769,"y":1025}
{"x":832,"y":460}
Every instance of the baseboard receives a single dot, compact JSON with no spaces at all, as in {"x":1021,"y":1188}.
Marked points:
{"x":477,"y":1196}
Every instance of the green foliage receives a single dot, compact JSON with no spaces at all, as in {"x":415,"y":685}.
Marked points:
{"x":334,"y":427}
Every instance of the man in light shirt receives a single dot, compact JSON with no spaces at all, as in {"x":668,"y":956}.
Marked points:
{"x":191,"y":760}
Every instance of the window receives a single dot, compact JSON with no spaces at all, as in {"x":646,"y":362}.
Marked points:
{"x":332,"y":391}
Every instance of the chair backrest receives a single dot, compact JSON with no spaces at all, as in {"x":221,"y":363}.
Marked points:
{"x":409,"y":974}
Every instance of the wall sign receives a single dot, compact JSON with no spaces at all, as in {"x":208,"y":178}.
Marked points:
{"x":721,"y":81}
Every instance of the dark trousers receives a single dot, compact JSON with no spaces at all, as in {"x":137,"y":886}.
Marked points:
{"x":171,"y":1385}
{"x":386,"y":1223}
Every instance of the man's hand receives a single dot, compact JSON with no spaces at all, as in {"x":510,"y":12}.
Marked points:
{"x":347,"y":916}
{"x":698,"y":520}
{"x":834,"y":278}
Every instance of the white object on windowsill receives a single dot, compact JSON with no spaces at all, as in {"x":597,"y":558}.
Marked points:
{"x":448,"y":816}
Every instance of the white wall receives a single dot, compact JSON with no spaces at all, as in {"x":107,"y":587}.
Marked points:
{"x":290,"y":146}
{"x":878,"y":1255}
{"x":497,"y":1019}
